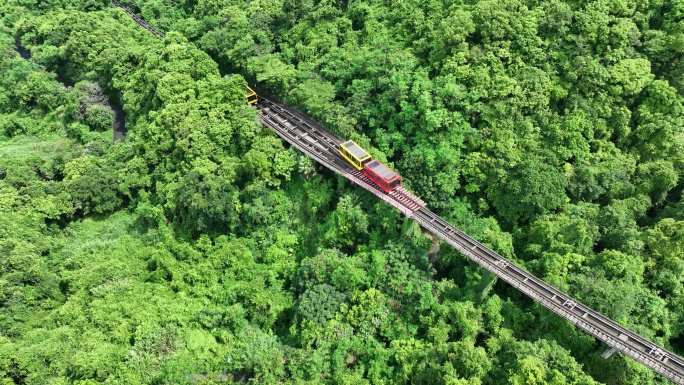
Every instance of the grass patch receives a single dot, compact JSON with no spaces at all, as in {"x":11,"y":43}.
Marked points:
{"x":25,"y":147}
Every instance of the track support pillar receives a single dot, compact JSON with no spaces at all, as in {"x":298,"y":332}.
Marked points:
{"x":609,"y":352}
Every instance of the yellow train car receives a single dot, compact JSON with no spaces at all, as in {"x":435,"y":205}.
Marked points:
{"x":354,"y":154}
{"x":251,"y":96}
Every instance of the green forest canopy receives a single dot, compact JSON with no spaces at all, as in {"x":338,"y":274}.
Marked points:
{"x":203,"y":250}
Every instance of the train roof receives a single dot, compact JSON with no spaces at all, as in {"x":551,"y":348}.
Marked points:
{"x":249,"y":91}
{"x":383,"y":171}
{"x":355,"y":150}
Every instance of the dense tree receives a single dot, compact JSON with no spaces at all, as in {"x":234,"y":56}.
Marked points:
{"x":206,"y":199}
{"x":319,"y":304}
{"x":204,"y":250}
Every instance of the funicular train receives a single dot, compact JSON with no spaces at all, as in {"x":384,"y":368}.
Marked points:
{"x":380,"y":174}
{"x":251,"y":95}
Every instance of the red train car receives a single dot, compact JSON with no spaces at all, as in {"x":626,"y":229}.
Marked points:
{"x":387,"y":179}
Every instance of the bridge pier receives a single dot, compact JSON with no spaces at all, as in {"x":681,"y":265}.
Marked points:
{"x":609,"y":352}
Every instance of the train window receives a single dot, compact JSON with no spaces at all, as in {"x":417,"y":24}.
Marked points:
{"x":395,"y":183}
{"x":379,"y":179}
{"x":344,"y":152}
{"x":251,"y":96}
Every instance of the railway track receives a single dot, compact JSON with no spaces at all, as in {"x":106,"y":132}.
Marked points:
{"x":321,"y":145}
{"x":613,"y":334}
{"x":330,"y":139}
{"x":140,"y":21}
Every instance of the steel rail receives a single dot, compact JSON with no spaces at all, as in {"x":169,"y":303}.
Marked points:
{"x":616,"y":336}
{"x":318,"y":143}
{"x":330,"y":139}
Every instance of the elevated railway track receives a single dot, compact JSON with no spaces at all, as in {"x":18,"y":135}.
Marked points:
{"x":320,"y":144}
{"x":140,"y":21}
{"x":613,"y":334}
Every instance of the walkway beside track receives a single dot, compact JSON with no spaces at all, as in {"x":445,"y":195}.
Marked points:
{"x":320,"y":144}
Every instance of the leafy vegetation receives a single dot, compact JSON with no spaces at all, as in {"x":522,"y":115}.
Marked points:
{"x":204,"y":250}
